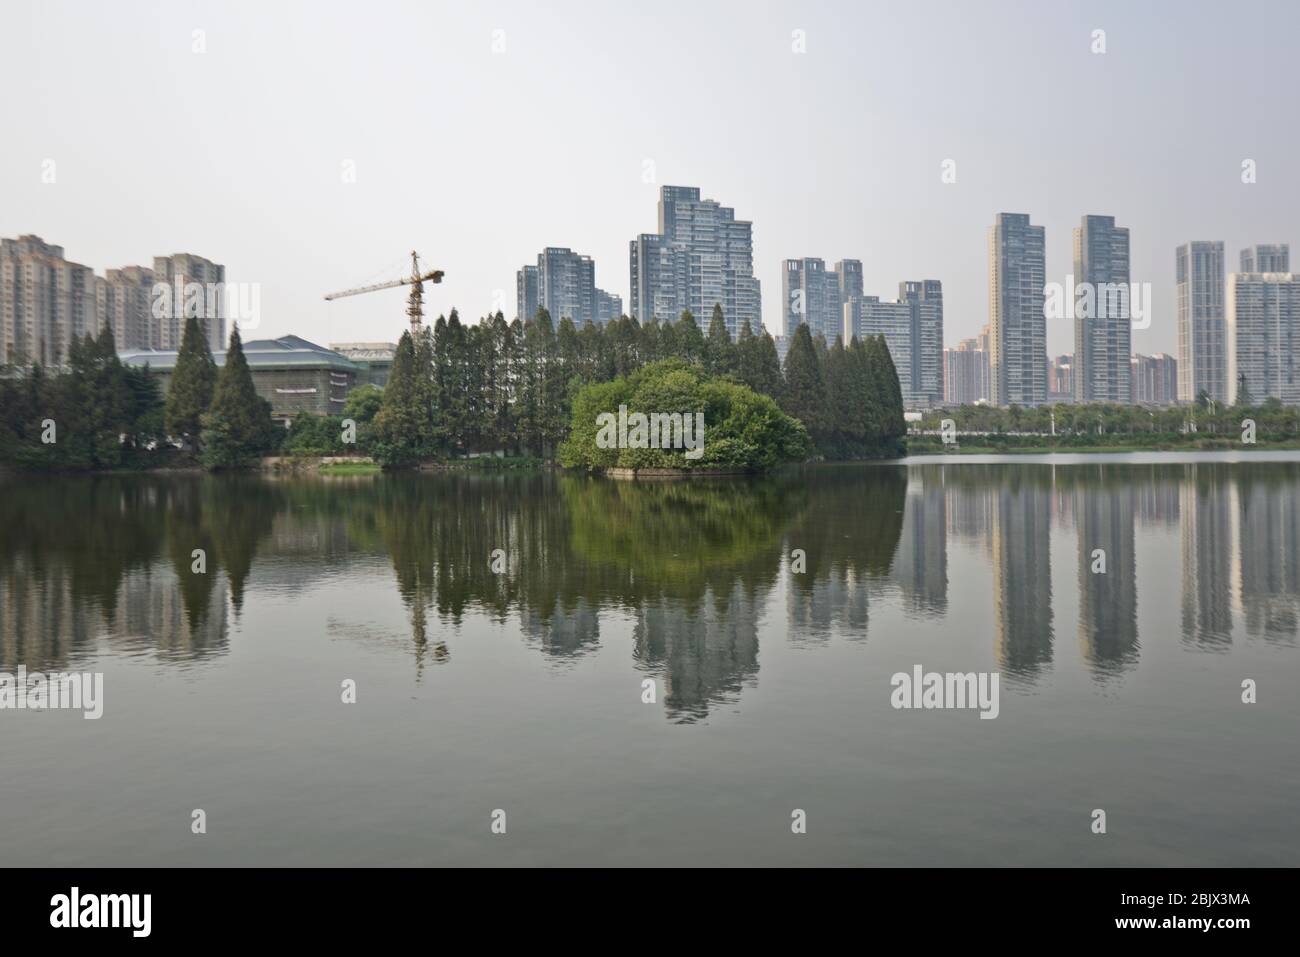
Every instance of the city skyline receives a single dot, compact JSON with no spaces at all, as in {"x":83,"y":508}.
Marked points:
{"x":874,"y":193}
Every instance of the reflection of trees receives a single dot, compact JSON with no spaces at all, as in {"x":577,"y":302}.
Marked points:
{"x":111,"y":555}
{"x":695,"y":562}
{"x":850,"y":533}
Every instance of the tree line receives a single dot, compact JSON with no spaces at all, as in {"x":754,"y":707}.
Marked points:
{"x":457,"y":389}
{"x":454,"y":389}
{"x":98,"y":414}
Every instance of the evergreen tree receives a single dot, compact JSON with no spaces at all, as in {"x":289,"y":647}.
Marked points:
{"x":889,"y":396}
{"x":398,"y":423}
{"x":804,"y":396}
{"x":721,"y":351}
{"x":690,"y":341}
{"x":238,"y":428}
{"x":193,"y":382}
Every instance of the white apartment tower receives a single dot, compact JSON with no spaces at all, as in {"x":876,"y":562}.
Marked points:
{"x":1202,"y":361}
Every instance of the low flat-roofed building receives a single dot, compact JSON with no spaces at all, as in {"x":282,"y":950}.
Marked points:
{"x":375,"y":359}
{"x":294,"y":375}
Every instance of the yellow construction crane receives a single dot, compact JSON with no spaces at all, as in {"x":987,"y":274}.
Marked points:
{"x":417,"y":279}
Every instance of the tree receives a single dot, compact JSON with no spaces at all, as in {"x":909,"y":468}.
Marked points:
{"x":363,"y":404}
{"x":888,"y":395}
{"x":690,"y":341}
{"x":804,"y":396}
{"x":192,"y":385}
{"x":758,"y":365}
{"x":238,"y":429}
{"x":399,"y":433}
{"x":720,"y":350}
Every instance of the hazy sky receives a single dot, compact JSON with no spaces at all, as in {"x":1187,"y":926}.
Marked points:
{"x":478,"y":158}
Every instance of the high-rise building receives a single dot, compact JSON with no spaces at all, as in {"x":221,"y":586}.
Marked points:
{"x":1266,"y":258}
{"x":1155,"y":379}
{"x":1202,"y":363}
{"x":810,"y":294}
{"x":926,"y":300}
{"x":1018,"y":328}
{"x":608,"y":307}
{"x":702,"y":256}
{"x":196,"y":285}
{"x":966,"y":374}
{"x":913,"y":329}
{"x":1263,"y":335}
{"x":564,"y":284}
{"x":1060,"y":379}
{"x":526,"y":293}
{"x":45,"y":301}
{"x":124,"y":298}
{"x":849,"y":272}
{"x":1102,"y":341}
{"x":869,"y":316}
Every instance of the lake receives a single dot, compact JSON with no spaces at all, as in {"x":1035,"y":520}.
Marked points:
{"x":505,"y":635}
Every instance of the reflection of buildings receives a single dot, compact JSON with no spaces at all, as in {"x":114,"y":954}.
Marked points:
{"x":1107,"y":600}
{"x":1269,"y":556}
{"x":45,"y":623}
{"x":970,"y":513}
{"x":705,"y":653}
{"x":840,"y":597}
{"x":1207,"y":550}
{"x":1022,"y":575}
{"x":1157,"y":501}
{"x":564,"y":631}
{"x":921,"y":563}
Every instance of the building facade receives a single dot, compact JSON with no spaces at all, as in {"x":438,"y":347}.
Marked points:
{"x":1103,"y":340}
{"x":869,"y":316}
{"x":124,"y":298}
{"x":1202,"y":359}
{"x":1266,"y":258}
{"x":1263,"y":333}
{"x":1155,"y":379}
{"x":925,"y":297}
{"x":45,"y":301}
{"x":810,"y":293}
{"x":564,"y":284}
{"x":1017,"y":326}
{"x":526,"y":300}
{"x":197,"y":286}
{"x":375,"y":360}
{"x":701,"y":256}
{"x":294,"y":375}
{"x":966,"y":374}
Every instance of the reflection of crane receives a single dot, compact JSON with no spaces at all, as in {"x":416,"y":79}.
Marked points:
{"x":415,"y":305}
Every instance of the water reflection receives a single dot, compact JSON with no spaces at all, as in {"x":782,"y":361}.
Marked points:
{"x":698,"y":574}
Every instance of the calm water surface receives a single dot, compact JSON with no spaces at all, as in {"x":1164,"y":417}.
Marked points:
{"x":523,"y":690}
